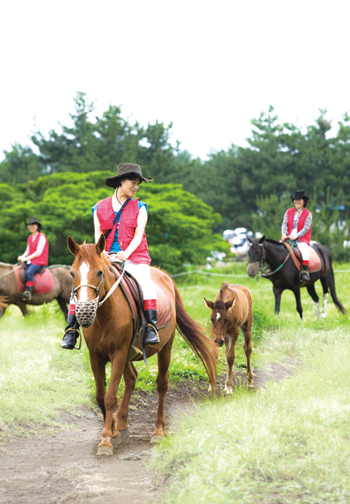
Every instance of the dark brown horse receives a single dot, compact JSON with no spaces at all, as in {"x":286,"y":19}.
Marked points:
{"x":231,"y":311}
{"x":108,"y":334}
{"x":285,"y":275}
{"x":61,"y":290}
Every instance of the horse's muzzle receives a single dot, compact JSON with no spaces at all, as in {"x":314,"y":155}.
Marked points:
{"x":86,"y":312}
{"x":253,"y":269}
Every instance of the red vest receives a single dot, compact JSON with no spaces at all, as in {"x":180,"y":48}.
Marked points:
{"x":126,"y":230}
{"x":41,"y":260}
{"x":290,"y":221}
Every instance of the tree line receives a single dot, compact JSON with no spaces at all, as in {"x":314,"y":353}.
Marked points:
{"x":248,"y":186}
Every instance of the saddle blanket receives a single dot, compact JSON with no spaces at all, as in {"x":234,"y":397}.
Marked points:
{"x":163,"y":306}
{"x":314,"y":259}
{"x":43,"y":282}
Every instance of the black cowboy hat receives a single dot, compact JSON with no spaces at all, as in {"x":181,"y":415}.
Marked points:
{"x":32,"y":220}
{"x":301,"y":195}
{"x":126,"y":169}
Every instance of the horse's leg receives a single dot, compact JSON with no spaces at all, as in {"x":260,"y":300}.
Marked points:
{"x":63,"y":305}
{"x":23,"y":307}
{"x":315,"y":298}
{"x":130,"y":375}
{"x":99,"y":371}
{"x":325,"y":287}
{"x":2,"y":311}
{"x":277,"y":293}
{"x":162,"y":386}
{"x":230,"y":345}
{"x":247,"y":346}
{"x":298,"y":301}
{"x":110,"y":403}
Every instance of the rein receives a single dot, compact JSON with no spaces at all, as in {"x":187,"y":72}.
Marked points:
{"x":263,"y":259}
{"x":14,"y":268}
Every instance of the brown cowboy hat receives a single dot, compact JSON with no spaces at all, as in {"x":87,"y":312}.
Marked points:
{"x":126,"y":169}
{"x":301,"y":195}
{"x":32,"y":220}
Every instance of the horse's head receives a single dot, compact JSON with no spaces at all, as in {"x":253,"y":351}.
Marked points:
{"x":88,"y":275}
{"x":256,"y":254}
{"x":219,"y":316}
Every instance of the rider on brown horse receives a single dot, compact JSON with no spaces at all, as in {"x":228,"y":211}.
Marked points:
{"x":296,"y":226}
{"x":35,"y":256}
{"x":122,"y":220}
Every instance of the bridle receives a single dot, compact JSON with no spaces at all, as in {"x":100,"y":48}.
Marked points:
{"x":86,"y":310}
{"x":263,"y":260}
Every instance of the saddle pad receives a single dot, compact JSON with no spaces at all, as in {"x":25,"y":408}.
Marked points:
{"x":163,"y":305}
{"x":43,"y":282}
{"x":314,"y":259}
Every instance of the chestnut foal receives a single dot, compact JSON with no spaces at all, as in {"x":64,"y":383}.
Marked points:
{"x":231,"y":311}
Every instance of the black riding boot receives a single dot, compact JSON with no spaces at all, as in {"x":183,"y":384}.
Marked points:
{"x":304,"y":275}
{"x":27,"y":294}
{"x":72,"y":328}
{"x":151,"y":333}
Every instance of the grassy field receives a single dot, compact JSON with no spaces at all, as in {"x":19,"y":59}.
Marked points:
{"x":286,"y":444}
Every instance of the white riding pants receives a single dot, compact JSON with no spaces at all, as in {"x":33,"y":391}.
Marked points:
{"x":142,"y":273}
{"x":304,"y":249}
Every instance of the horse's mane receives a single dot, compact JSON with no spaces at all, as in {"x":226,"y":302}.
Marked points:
{"x":219,"y":304}
{"x":88,"y":253}
{"x":274,"y":242}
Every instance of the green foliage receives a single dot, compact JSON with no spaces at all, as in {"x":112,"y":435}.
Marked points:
{"x":178,"y":229}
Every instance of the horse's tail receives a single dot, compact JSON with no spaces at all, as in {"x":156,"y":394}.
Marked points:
{"x":192,"y":333}
{"x":333,"y":293}
{"x":328,"y":262}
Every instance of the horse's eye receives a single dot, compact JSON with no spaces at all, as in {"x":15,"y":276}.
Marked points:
{"x":72,"y":274}
{"x":99,"y":274}
{"x":212,"y":320}
{"x":226,"y":321}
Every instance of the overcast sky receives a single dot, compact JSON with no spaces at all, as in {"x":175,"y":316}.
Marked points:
{"x":207,"y":66}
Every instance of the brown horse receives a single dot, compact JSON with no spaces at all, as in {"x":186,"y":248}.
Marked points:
{"x":108,"y":332}
{"x":231,"y":311}
{"x":61,"y":290}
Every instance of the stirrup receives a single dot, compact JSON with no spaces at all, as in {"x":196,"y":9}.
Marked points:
{"x":76,"y":339}
{"x":156,"y":333}
{"x":26,"y":296}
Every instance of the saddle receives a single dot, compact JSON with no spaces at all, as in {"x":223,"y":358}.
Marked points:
{"x":43,"y":281}
{"x":133,"y":295}
{"x":315,"y":263}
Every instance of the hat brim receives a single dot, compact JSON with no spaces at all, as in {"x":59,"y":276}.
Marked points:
{"x":305,"y":198}
{"x":112,"y":181}
{"x":32,"y":223}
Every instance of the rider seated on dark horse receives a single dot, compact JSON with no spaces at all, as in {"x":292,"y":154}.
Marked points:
{"x":35,"y":256}
{"x":122,"y":220}
{"x":296,"y":226}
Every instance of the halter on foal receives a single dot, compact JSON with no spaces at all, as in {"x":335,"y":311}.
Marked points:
{"x":231,"y":311}
{"x":108,"y":332}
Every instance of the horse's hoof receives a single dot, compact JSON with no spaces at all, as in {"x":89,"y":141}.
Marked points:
{"x":122,"y":436}
{"x":157,"y":438}
{"x":105,"y":449}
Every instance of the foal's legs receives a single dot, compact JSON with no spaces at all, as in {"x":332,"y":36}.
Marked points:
{"x":315,"y":298}
{"x":162,"y":385}
{"x":247,"y":345}
{"x":230,"y":345}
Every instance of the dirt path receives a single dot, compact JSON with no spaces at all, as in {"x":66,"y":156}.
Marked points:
{"x":64,"y":468}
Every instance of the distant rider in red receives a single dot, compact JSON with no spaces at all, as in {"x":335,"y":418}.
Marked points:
{"x":35,"y":256}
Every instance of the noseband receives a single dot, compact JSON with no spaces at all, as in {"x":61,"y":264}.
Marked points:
{"x":86,"y":310}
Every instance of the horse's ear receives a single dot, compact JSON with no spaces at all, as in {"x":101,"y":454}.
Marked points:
{"x":249,"y":239}
{"x":209,"y":304}
{"x":262,"y":239}
{"x":101,"y":244}
{"x":72,"y":246}
{"x":228,"y":304}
